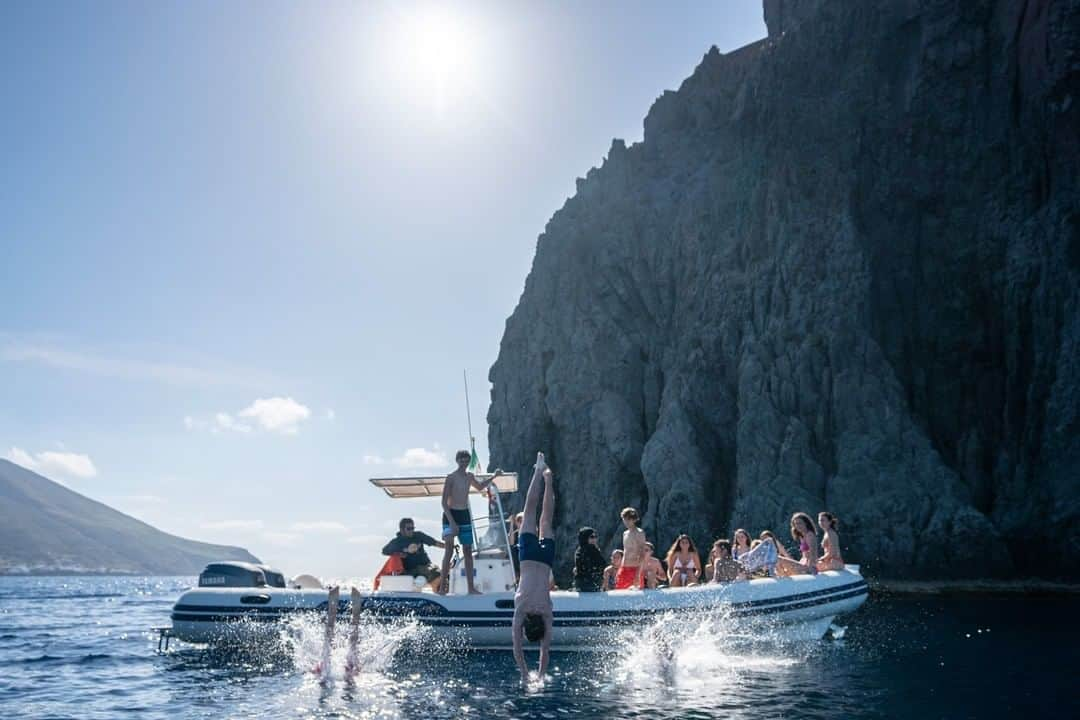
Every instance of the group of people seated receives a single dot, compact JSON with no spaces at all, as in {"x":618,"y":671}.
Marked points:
{"x":636,"y":564}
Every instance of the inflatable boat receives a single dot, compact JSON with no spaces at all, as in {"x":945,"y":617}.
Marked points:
{"x":235,"y":602}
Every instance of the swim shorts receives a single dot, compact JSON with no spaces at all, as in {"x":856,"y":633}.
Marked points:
{"x":531,"y":547}
{"x":626,"y":577}
{"x":463,"y":518}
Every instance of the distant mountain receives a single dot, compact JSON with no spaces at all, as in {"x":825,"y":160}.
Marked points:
{"x":45,"y":528}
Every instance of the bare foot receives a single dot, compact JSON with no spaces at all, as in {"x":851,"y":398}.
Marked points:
{"x":474,"y":591}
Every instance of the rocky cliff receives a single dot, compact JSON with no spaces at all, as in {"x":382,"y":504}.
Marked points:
{"x":840,"y":272}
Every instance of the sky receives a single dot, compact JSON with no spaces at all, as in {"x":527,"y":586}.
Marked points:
{"x":247,"y":250}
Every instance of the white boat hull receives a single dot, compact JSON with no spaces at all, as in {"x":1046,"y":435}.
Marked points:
{"x":790,"y":608}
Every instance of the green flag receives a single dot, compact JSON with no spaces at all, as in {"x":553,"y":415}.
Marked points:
{"x":474,"y":461}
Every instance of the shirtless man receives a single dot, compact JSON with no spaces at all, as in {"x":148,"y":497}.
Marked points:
{"x":652,"y":571}
{"x":633,"y":541}
{"x":532,"y":603}
{"x":457,"y":520}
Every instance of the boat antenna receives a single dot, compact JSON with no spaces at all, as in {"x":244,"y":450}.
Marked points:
{"x":468,"y":412}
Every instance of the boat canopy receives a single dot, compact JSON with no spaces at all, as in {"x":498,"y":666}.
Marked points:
{"x":420,"y":487}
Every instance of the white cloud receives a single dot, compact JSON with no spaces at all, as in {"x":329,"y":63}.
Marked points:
{"x":225,"y":421}
{"x":374,"y":460}
{"x":233,"y":525}
{"x":421,"y":458}
{"x":50,"y":463}
{"x":326,"y":526}
{"x":282,"y":539}
{"x":330,"y":414}
{"x":277,"y":414}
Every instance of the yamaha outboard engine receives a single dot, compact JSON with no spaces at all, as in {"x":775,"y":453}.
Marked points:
{"x":274,"y":578}
{"x":234,"y":574}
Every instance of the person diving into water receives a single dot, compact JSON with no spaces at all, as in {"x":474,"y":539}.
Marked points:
{"x":532,"y":603}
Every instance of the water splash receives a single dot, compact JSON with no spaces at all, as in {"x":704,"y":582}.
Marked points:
{"x":378,"y":640}
{"x":705,"y":653}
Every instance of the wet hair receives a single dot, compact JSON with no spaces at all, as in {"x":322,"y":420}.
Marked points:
{"x":834,"y":522}
{"x":629,"y":512}
{"x":723,"y":544}
{"x":533,"y":627}
{"x":795,"y":531}
{"x":615,"y":552}
{"x":735,"y":538}
{"x":462,"y":454}
{"x":405,"y":521}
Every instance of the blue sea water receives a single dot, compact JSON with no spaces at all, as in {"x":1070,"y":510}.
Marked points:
{"x":83,"y":647}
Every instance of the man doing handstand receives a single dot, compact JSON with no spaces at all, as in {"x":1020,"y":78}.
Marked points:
{"x":532,"y":604}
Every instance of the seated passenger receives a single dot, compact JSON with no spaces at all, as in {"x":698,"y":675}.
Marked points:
{"x":740,"y":544}
{"x":724,"y":568}
{"x":762,"y":557}
{"x":830,"y":543}
{"x":408,"y":545}
{"x":652,"y":570}
{"x":588,"y":562}
{"x":612,"y":570}
{"x":684,"y":562}
{"x":802,"y":529}
{"x":707,"y":574}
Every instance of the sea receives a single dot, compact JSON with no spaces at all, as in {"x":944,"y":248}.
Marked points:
{"x":86,"y":647}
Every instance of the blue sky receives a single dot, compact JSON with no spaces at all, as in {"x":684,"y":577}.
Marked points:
{"x":246,"y":249}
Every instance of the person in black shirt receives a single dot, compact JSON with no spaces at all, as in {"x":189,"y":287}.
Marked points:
{"x":409,"y":544}
{"x":589,"y":562}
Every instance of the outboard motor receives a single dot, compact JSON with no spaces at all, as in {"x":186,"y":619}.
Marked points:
{"x":274,"y":578}
{"x":233,"y":574}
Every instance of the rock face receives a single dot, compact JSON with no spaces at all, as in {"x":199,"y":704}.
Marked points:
{"x":47,"y":529}
{"x":840,"y":272}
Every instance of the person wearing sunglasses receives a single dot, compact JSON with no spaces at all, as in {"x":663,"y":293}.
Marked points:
{"x":408,"y":545}
{"x":589,"y":562}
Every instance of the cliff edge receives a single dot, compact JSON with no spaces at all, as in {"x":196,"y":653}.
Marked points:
{"x":840,"y":272}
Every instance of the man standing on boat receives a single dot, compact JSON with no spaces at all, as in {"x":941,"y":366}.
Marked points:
{"x":457,"y":520}
{"x":532,"y":603}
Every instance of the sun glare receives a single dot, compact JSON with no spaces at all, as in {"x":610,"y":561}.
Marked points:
{"x":437,"y":61}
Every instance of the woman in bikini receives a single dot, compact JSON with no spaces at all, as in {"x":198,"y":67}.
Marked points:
{"x":830,"y":543}
{"x":802,"y":529}
{"x":684,"y":562}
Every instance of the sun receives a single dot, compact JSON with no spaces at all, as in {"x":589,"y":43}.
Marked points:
{"x":436,"y":54}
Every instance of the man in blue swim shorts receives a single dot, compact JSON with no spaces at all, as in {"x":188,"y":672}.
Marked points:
{"x":532,"y":603}
{"x":457,"y":520}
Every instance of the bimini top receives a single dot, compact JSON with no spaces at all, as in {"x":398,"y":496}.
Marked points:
{"x":419,"y":487}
